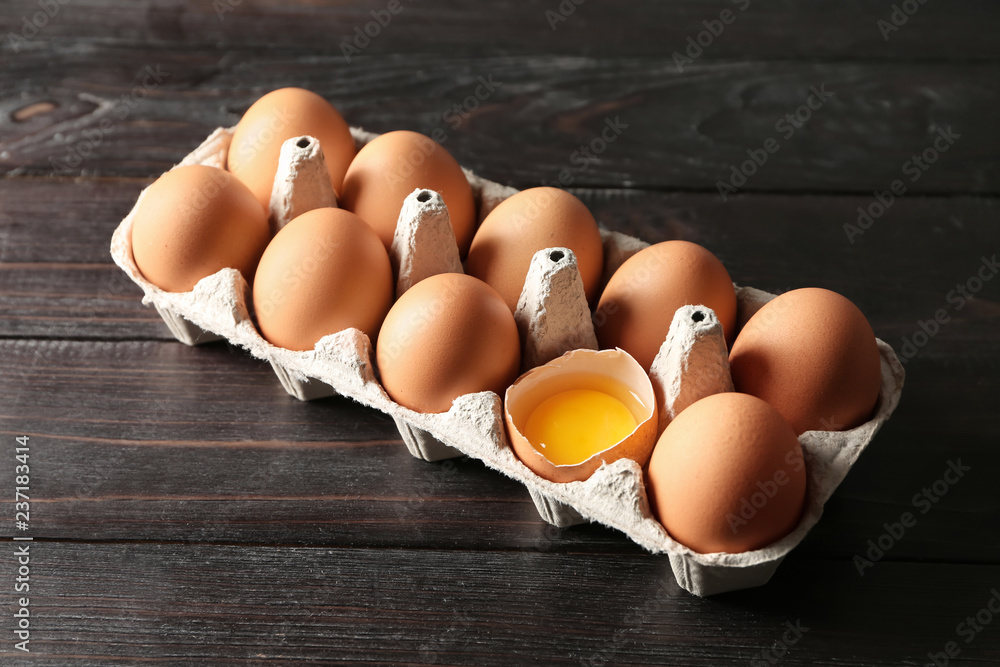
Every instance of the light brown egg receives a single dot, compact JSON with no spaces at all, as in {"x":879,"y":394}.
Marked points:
{"x":812,"y":355}
{"x":638,"y":303}
{"x":194,"y":221}
{"x":324,"y":272}
{"x":727,"y":475}
{"x":525,"y":223}
{"x":446,"y":336}
{"x":277,"y":117}
{"x":395,"y":164}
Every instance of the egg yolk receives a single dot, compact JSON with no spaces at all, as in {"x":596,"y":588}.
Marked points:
{"x":571,"y":426}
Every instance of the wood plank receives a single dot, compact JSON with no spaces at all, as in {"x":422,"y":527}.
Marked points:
{"x":56,"y":278}
{"x":781,"y":30}
{"x":127,"y":603}
{"x":157,"y":441}
{"x":899,"y":271}
{"x":187,"y":511}
{"x":96,"y":301}
{"x":684,"y":130}
{"x":170,"y":442}
{"x":63,"y":220}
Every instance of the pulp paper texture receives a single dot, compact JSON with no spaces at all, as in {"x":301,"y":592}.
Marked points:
{"x":692,"y":363}
{"x":423,"y":224}
{"x":218,"y":307}
{"x":552,"y":314}
{"x":302,"y":183}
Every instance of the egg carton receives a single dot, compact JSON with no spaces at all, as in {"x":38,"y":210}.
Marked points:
{"x":553,"y":317}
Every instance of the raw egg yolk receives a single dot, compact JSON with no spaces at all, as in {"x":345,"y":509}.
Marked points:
{"x":571,"y":426}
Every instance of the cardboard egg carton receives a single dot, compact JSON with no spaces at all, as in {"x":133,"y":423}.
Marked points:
{"x":552,"y":317}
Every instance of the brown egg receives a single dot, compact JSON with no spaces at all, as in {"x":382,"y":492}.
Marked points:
{"x":324,"y":272}
{"x":727,"y":475}
{"x":395,"y":164}
{"x":638,"y":303}
{"x":812,"y":355}
{"x":194,"y":221}
{"x":525,"y":223}
{"x":277,"y":117}
{"x":446,"y":336}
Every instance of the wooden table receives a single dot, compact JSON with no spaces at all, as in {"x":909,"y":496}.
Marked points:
{"x":185,"y":510}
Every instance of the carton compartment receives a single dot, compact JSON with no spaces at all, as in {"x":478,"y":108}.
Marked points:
{"x":423,"y":444}
{"x":554,"y":512}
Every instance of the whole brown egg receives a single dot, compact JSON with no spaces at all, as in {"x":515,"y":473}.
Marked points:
{"x":525,"y":223}
{"x":448,"y":335}
{"x":192,"y":222}
{"x":324,"y":272}
{"x":812,"y":355}
{"x":273,"y":119}
{"x":395,"y":164}
{"x":727,"y":475}
{"x":639,"y":301}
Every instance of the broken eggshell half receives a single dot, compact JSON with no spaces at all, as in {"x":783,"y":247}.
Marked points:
{"x":611,"y":372}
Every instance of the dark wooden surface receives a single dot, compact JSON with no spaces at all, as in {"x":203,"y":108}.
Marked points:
{"x":185,"y":510}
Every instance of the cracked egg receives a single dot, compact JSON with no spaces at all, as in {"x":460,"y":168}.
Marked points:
{"x":585,"y":408}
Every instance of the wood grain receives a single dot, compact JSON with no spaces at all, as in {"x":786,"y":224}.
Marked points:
{"x":56,"y":278}
{"x":675,"y":130}
{"x":775,"y":30}
{"x":133,"y":603}
{"x":159,"y":441}
{"x":187,"y":511}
